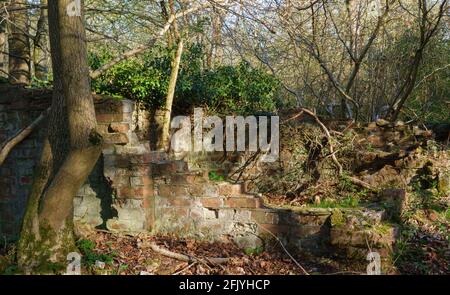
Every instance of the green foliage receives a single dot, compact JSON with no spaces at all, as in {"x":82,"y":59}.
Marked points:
{"x":89,"y":256}
{"x":214,"y":176}
{"x":8,"y":265}
{"x":11,"y":270}
{"x":424,"y":186}
{"x":238,"y":89}
{"x":347,"y":202}
{"x":429,"y":100}
{"x":253,"y":251}
{"x":48,"y":84}
{"x":231,"y":89}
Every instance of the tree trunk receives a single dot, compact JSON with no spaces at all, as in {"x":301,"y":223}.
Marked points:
{"x":19,"y":44}
{"x":3,"y":37}
{"x":163,"y":141}
{"x":40,"y":50}
{"x":70,"y":152}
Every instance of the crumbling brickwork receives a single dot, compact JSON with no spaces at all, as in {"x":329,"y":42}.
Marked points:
{"x":134,"y":189}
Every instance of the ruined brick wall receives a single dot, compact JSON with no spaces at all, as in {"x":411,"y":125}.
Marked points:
{"x":18,"y":109}
{"x":117,"y":187}
{"x":134,"y":189}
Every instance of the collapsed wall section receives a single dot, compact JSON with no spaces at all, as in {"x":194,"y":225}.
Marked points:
{"x":133,"y":189}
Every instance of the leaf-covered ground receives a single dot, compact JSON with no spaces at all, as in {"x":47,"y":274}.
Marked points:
{"x":419,"y":252}
{"x":127,"y":255}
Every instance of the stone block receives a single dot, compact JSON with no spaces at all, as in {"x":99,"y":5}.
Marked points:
{"x":248,"y":242}
{"x":397,"y":200}
{"x":228,"y":189}
{"x":306,"y":231}
{"x":109,"y":118}
{"x":265,"y":216}
{"x":115,"y":138}
{"x":118,"y":128}
{"x":213,"y":203}
{"x":267,"y":229}
{"x":243,"y":202}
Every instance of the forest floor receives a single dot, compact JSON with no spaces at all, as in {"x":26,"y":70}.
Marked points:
{"x":132,"y":255}
{"x":425,"y":253}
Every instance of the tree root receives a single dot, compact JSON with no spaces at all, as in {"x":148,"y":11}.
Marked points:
{"x":188,"y":258}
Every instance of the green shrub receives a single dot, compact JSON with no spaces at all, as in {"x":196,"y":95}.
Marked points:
{"x":89,"y":256}
{"x":237,"y":89}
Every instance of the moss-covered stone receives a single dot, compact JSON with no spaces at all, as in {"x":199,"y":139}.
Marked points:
{"x":337,"y":218}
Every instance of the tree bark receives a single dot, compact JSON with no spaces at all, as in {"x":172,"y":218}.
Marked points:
{"x":19,"y":44}
{"x":163,"y":142}
{"x":40,"y":49}
{"x":3,"y":38}
{"x":70,"y":152}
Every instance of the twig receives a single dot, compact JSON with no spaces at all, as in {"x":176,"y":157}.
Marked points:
{"x":292,"y":118}
{"x":184,"y":269}
{"x":284,"y":248}
{"x":186,"y":258}
{"x":327,"y":134}
{"x":362,"y":183}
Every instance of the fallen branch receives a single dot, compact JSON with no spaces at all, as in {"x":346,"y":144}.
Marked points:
{"x":361,"y":183}
{"x":187,"y":258}
{"x":328,"y":135}
{"x":10,"y":143}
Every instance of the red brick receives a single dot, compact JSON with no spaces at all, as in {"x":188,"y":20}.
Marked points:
{"x":109,"y":118}
{"x":26,"y":180}
{"x":148,"y":181}
{"x":118,"y":127}
{"x":180,"y":202}
{"x":187,"y":178}
{"x":148,"y":192}
{"x":167,"y":190}
{"x":154,"y":157}
{"x":181,"y":212}
{"x":132,"y":193}
{"x":228,"y":189}
{"x":243,"y":203}
{"x":108,"y":106}
{"x":121,"y":161}
{"x":170,"y":167}
{"x":139,"y":170}
{"x":211,"y":202}
{"x":115,"y":138}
